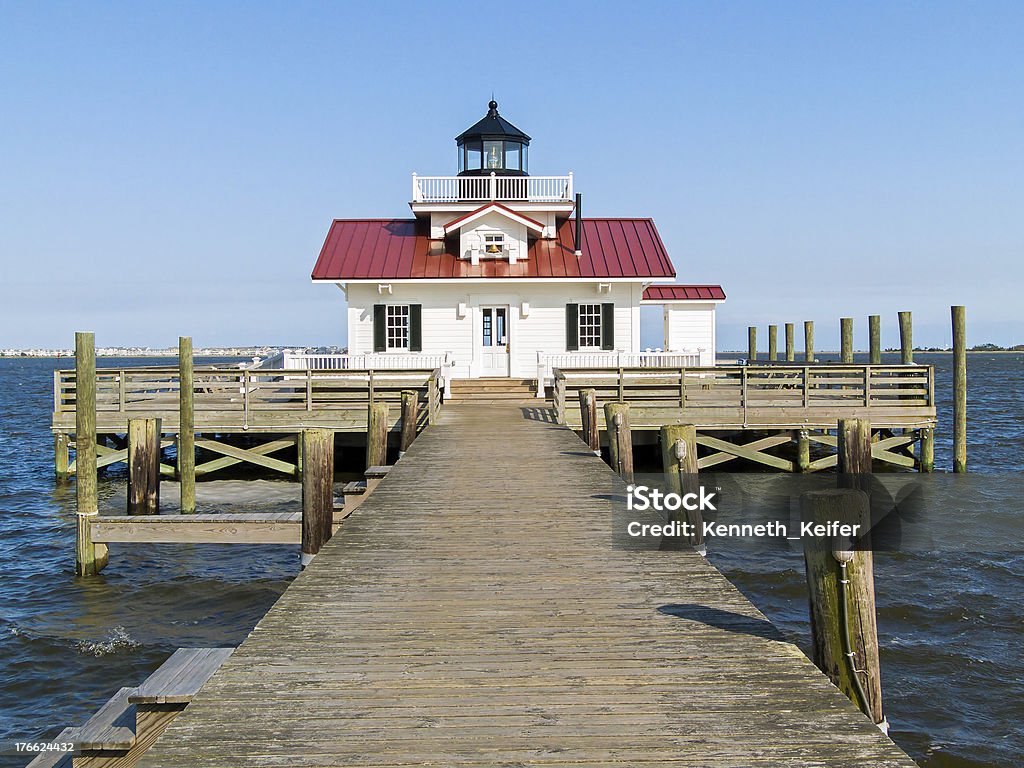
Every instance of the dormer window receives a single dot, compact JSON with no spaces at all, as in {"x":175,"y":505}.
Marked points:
{"x":494,"y":244}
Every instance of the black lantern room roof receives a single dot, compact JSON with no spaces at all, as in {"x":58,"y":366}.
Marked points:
{"x":492,"y":145}
{"x":492,"y":126}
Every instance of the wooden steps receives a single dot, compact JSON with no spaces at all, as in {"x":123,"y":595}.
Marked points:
{"x":120,"y":731}
{"x":477,"y":390}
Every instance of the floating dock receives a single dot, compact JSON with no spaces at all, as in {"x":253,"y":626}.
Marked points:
{"x":473,"y":612}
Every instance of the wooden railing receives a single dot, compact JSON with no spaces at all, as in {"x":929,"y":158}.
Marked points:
{"x":152,"y":391}
{"x":748,"y":395}
{"x":454,"y":189}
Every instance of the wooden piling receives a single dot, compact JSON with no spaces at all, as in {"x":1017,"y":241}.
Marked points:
{"x":588,"y":414}
{"x":926,"y":462}
{"x":809,"y":341}
{"x":376,"y":435}
{"x":410,"y":418}
{"x":790,"y":343}
{"x":803,"y":450}
{"x":840,"y":581}
{"x":143,"y":466}
{"x":773,"y":342}
{"x":751,"y":344}
{"x":620,"y":440}
{"x":679,"y":463}
{"x":853,"y":446}
{"x":186,"y":427}
{"x":61,"y":457}
{"x":317,"y":490}
{"x":846,"y":339}
{"x":959,"y":318}
{"x":90,"y":557}
{"x":875,"y":339}
{"x":906,"y":338}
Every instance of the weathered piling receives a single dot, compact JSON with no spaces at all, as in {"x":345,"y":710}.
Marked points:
{"x":61,"y":457}
{"x":90,"y":558}
{"x":840,"y":581}
{"x":926,"y":461}
{"x":143,"y":466}
{"x":186,"y":426}
{"x":854,"y":452}
{"x":790,"y":343}
{"x":809,"y":341}
{"x":376,"y":435}
{"x":959,"y":318}
{"x":875,"y":339}
{"x":410,"y":417}
{"x":317,"y":490}
{"x":752,"y":343}
{"x":773,"y":343}
{"x":588,"y":416}
{"x":906,"y":338}
{"x":803,"y":450}
{"x":679,"y":463}
{"x":846,"y":339}
{"x":620,"y":440}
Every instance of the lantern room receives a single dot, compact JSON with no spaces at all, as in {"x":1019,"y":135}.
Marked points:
{"x":493,"y":145}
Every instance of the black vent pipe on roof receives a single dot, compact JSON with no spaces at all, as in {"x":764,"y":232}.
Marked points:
{"x":579,"y":224}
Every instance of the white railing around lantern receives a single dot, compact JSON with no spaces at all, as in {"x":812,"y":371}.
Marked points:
{"x":611,"y":359}
{"x":455,"y":189}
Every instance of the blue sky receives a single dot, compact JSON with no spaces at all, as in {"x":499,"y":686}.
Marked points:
{"x":172,"y":168}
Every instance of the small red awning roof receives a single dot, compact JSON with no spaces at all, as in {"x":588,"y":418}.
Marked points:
{"x":401,"y":249}
{"x":662,"y":294}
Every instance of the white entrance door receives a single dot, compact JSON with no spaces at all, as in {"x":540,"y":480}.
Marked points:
{"x":493,"y":351}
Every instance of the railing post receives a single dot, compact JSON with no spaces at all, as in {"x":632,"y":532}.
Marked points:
{"x":309,"y":390}
{"x":622,"y":383}
{"x":415,"y":189}
{"x":682,"y":388}
{"x":807,"y":385}
{"x":493,"y":186}
{"x":121,"y":391}
{"x":588,"y":415}
{"x":245,"y":399}
{"x":410,"y":415}
{"x":743,"y":393}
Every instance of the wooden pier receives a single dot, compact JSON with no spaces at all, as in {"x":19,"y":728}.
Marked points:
{"x":270,"y":408}
{"x":775,"y":404}
{"x":473,"y":612}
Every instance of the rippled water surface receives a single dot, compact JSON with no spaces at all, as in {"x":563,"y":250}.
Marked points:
{"x":951,"y":624}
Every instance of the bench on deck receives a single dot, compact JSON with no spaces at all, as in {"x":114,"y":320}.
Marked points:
{"x":128,"y":724}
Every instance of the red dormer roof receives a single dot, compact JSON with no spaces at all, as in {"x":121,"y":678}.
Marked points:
{"x":661,"y":294}
{"x":401,"y":249}
{"x":483,"y":210}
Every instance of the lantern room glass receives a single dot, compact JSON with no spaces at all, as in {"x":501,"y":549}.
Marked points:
{"x":493,"y":156}
{"x":473,"y":155}
{"x":513,"y":155}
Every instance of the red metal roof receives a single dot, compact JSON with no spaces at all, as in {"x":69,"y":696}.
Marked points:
{"x":663,"y":293}
{"x":396,"y":249}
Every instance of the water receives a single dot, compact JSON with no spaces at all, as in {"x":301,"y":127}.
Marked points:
{"x":950,"y":625}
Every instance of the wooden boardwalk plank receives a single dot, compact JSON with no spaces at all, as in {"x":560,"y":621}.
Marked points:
{"x":472,"y":612}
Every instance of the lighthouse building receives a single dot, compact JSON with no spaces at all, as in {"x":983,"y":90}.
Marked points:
{"x":498,"y":274}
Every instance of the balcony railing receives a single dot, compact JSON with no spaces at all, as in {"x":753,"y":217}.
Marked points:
{"x":457,"y":189}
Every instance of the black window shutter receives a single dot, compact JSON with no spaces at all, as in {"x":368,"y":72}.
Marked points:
{"x":572,"y":327}
{"x":415,"y":328}
{"x":608,"y":326}
{"x":380,"y":328}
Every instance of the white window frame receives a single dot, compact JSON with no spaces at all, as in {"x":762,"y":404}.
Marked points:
{"x":396,"y":327}
{"x":588,"y":326}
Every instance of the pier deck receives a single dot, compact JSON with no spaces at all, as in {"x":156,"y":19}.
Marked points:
{"x":472,"y":612}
